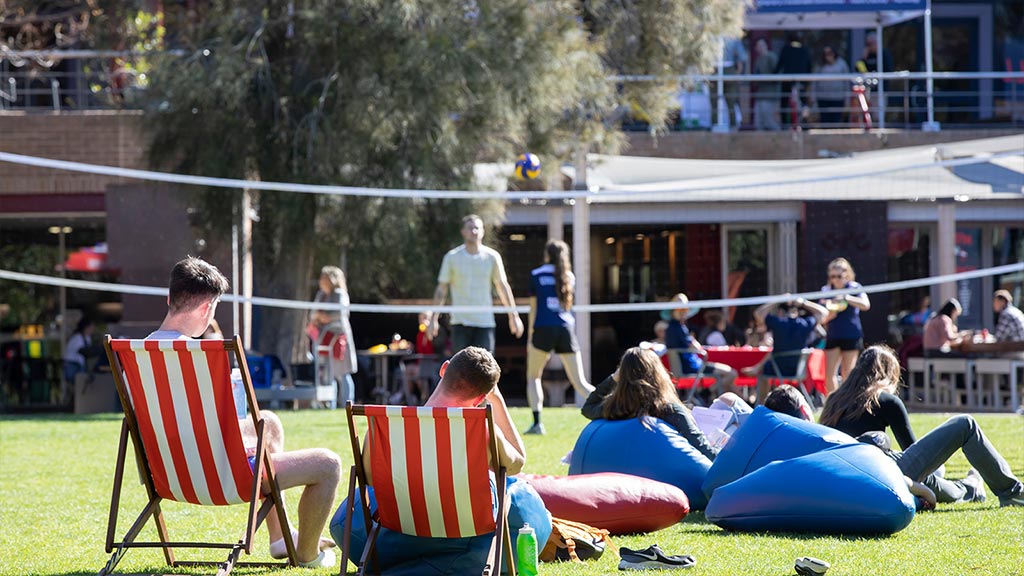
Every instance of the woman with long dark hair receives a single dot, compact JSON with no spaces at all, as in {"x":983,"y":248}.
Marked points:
{"x":552,"y":328}
{"x":642,"y":387}
{"x":866,"y":403}
{"x":941,"y":336}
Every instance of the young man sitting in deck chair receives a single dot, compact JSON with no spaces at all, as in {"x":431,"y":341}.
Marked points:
{"x":468,"y":379}
{"x":195,"y":289}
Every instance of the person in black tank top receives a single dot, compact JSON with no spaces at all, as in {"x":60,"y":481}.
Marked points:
{"x":866,"y":404}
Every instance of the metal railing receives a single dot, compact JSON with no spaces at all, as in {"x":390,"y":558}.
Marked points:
{"x":90,"y":79}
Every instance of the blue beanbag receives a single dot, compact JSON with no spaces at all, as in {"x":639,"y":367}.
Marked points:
{"x":849,"y":489}
{"x":650,"y":449}
{"x":765,"y":437}
{"x":403,"y":554}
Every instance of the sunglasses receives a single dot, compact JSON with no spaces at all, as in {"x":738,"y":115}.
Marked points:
{"x":836,"y":275}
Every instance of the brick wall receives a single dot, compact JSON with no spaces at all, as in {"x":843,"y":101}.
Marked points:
{"x":102,"y":137}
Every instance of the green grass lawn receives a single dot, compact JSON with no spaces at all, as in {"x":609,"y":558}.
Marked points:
{"x":56,"y":473}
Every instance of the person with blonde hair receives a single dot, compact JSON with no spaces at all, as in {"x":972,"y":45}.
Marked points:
{"x":334,"y":290}
{"x":844,"y":334}
{"x":866,"y":405}
{"x":552,"y":328}
{"x":642,"y":387}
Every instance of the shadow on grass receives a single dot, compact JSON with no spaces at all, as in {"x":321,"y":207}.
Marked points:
{"x":698,"y":519}
{"x":62,"y":417}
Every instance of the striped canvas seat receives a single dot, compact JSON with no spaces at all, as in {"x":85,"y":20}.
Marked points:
{"x":180,"y":415}
{"x":180,"y":391}
{"x":431,"y":473}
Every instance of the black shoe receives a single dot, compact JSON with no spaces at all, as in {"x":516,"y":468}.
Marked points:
{"x":652,"y":558}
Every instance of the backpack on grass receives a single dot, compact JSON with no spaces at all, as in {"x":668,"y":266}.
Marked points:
{"x":575,"y":541}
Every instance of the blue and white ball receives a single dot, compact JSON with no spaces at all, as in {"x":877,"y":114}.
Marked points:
{"x":527,"y":166}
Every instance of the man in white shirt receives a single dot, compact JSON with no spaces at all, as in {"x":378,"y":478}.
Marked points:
{"x":195,"y":289}
{"x":467,"y":274}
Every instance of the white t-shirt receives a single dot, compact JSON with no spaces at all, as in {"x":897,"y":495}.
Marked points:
{"x":469,"y":278}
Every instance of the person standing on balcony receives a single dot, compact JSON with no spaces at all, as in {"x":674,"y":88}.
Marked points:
{"x":766,"y":100}
{"x":795,"y":58}
{"x":831,"y":95}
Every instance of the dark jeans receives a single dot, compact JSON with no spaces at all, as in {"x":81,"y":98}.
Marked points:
{"x":466,"y":336}
{"x":934,"y":448}
{"x":831,"y":111}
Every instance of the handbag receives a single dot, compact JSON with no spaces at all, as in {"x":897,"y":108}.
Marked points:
{"x":575,"y":542}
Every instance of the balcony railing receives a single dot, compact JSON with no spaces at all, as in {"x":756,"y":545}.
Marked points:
{"x":89,"y":80}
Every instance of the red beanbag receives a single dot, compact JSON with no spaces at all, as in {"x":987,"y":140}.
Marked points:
{"x":618,"y":503}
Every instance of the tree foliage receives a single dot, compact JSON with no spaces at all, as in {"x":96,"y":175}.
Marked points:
{"x":393,"y":94}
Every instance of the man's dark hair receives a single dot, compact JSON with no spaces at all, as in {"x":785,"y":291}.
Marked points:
{"x":194,"y":282}
{"x":471,"y":373}
{"x":785,"y":399}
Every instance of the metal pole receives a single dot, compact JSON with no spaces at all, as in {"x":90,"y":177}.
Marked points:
{"x":581,"y":258}
{"x":880,"y":60}
{"x":247,"y":267}
{"x":235,"y":306}
{"x":62,"y":258}
{"x":555,"y":222}
{"x":931,"y":125}
{"x":722,"y":125}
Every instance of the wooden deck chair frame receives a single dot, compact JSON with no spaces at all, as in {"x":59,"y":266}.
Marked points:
{"x":263,"y":467}
{"x":764,"y":380}
{"x":676,"y":364}
{"x":501,"y":544}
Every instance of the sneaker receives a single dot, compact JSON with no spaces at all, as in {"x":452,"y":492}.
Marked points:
{"x":537,"y":428}
{"x":807,"y":566}
{"x":652,"y":558}
{"x":975,"y":486}
{"x":1016,"y":500}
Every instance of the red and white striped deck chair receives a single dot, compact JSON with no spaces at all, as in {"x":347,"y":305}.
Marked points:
{"x":430,"y":469}
{"x":180,"y":414}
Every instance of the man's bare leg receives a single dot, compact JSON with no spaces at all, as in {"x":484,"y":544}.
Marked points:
{"x":319,"y":471}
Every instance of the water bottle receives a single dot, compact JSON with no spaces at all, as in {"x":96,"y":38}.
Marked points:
{"x":526,"y":550}
{"x":238,"y":392}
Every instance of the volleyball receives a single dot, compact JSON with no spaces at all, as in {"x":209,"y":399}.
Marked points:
{"x":527,"y":166}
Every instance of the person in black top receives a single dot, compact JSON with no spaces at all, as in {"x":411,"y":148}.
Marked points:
{"x":795,"y":58}
{"x":866,"y":403}
{"x":642,"y":387}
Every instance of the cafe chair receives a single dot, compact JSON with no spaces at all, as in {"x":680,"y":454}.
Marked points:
{"x":179,"y":412}
{"x":796,"y":379}
{"x":702,"y":378}
{"x":431,"y":475}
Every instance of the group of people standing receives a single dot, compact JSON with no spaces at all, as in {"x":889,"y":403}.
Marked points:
{"x":772,"y":99}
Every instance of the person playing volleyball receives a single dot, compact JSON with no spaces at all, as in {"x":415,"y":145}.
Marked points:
{"x":552,"y":327}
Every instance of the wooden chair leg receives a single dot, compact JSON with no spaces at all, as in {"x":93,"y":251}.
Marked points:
{"x":133,"y":531}
{"x":161,"y":531}
{"x":370,"y":550}
{"x":115,"y":495}
{"x":346,"y":541}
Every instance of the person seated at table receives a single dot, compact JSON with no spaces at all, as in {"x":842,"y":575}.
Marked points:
{"x":1010,"y":327}
{"x":718,"y":332}
{"x":867,"y":402}
{"x":642,"y":387}
{"x":791,"y":332}
{"x":941,"y":336}
{"x":677,"y":335}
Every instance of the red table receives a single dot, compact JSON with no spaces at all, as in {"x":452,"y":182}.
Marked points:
{"x":740,"y":357}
